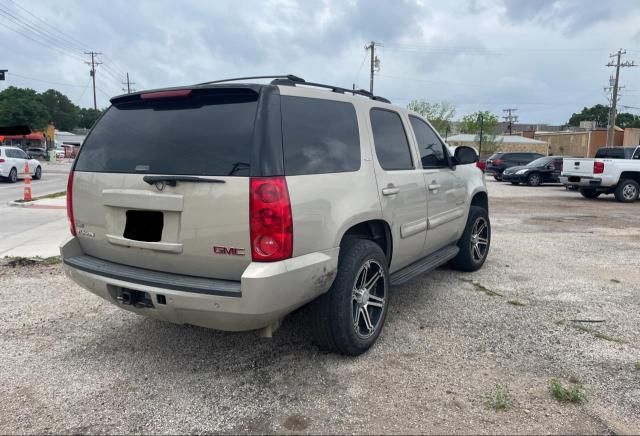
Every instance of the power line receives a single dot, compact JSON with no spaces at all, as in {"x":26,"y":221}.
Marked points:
{"x":64,"y":36}
{"x":44,"y":81}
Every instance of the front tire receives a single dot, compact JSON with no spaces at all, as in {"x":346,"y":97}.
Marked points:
{"x":627,"y":191}
{"x":475,"y":241}
{"x":349,"y":317}
{"x":589,"y":193}
{"x":534,"y":179}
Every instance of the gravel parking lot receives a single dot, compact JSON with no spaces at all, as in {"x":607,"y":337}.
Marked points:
{"x":72,"y":363}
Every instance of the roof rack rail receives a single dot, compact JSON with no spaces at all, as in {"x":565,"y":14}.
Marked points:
{"x":291,"y":80}
{"x":289,"y":77}
{"x":337,"y":89}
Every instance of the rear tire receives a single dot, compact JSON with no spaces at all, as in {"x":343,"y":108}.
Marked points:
{"x":339,"y":321}
{"x":627,"y":191}
{"x":13,"y":176}
{"x":589,"y":193}
{"x":534,"y":179}
{"x":498,"y":178}
{"x":38,"y":174}
{"x":475,"y":241}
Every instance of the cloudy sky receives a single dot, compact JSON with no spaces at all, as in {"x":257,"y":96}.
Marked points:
{"x":545,"y":57}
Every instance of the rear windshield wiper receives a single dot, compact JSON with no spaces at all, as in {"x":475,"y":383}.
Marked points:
{"x":173,"y":180}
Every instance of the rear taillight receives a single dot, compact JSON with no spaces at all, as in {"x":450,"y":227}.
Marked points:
{"x":72,"y":221}
{"x":1,"y":160}
{"x":270,"y":219}
{"x":481,"y":164}
{"x":598,"y":167}
{"x":176,"y":93}
{"x":497,"y":162}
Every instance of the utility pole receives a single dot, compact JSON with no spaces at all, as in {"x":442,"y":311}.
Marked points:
{"x":375,"y":62}
{"x":481,"y":117}
{"x":510,"y":118}
{"x":614,"y":93}
{"x":129,"y":83}
{"x":92,"y":72}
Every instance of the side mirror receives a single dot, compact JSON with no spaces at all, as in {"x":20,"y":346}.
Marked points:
{"x":465,"y":155}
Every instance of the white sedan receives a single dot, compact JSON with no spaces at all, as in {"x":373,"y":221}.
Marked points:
{"x":12,"y":164}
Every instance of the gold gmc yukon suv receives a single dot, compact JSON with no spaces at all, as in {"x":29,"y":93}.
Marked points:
{"x":228,"y":205}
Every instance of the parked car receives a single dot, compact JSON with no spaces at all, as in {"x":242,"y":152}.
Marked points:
{"x":613,"y":171}
{"x":498,"y":162}
{"x":542,"y":170}
{"x":60,"y":153}
{"x":37,"y":152}
{"x":12,"y":164}
{"x":278,"y":195}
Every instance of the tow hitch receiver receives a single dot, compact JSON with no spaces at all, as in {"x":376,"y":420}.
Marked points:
{"x":129,"y":297}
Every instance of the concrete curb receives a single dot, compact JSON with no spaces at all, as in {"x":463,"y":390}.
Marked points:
{"x":34,"y":203}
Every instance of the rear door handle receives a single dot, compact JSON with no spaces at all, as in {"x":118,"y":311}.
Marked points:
{"x":390,"y":190}
{"x":434,"y":187}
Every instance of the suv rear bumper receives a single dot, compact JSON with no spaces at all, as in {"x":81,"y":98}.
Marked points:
{"x":265,"y":293}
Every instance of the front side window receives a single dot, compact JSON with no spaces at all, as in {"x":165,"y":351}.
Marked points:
{"x":319,"y":136}
{"x":432,"y":152}
{"x":390,"y":140}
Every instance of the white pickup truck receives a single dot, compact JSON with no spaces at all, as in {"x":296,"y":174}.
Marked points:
{"x":614,"y":170}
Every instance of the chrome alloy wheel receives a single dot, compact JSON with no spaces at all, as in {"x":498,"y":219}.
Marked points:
{"x":368,"y":299}
{"x":479,"y":239}
{"x":629,"y":192}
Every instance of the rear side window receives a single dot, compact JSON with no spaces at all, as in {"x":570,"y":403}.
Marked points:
{"x":208,"y":134}
{"x":319,"y":136}
{"x":390,"y":139}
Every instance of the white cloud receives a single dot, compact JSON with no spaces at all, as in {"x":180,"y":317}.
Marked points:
{"x":545,"y":57}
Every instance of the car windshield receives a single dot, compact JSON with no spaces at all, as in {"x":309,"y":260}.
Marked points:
{"x":541,"y":161}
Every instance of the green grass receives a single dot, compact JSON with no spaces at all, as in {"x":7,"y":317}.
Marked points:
{"x":637,"y":365}
{"x":572,"y":394}
{"x":500,"y":398}
{"x":42,"y":197}
{"x":16,"y":261}
{"x":516,"y":303}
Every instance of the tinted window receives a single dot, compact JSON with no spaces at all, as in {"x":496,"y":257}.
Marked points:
{"x":432,"y":153}
{"x":390,"y":139}
{"x":21,"y":154}
{"x":636,"y":155}
{"x":612,"y":153}
{"x":209,"y":133}
{"x":319,"y":136}
{"x":542,"y":161}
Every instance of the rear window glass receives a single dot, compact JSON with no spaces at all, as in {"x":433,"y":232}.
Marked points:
{"x":319,"y":136}
{"x":209,"y":134}
{"x":612,"y":153}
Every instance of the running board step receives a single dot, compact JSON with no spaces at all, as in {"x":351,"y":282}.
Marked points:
{"x":424,"y":265}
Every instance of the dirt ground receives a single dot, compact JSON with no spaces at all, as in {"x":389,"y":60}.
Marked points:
{"x":559,"y":297}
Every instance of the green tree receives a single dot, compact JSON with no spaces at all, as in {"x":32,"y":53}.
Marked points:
{"x":471,"y":124}
{"x":87,"y":117}
{"x":600,"y":114}
{"x":64,"y":114}
{"x":438,"y":114}
{"x":22,"y":106}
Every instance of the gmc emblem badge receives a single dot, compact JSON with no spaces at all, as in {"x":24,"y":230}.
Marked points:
{"x":228,"y":251}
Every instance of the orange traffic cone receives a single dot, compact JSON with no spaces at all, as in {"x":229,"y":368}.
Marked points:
{"x":27,"y":182}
